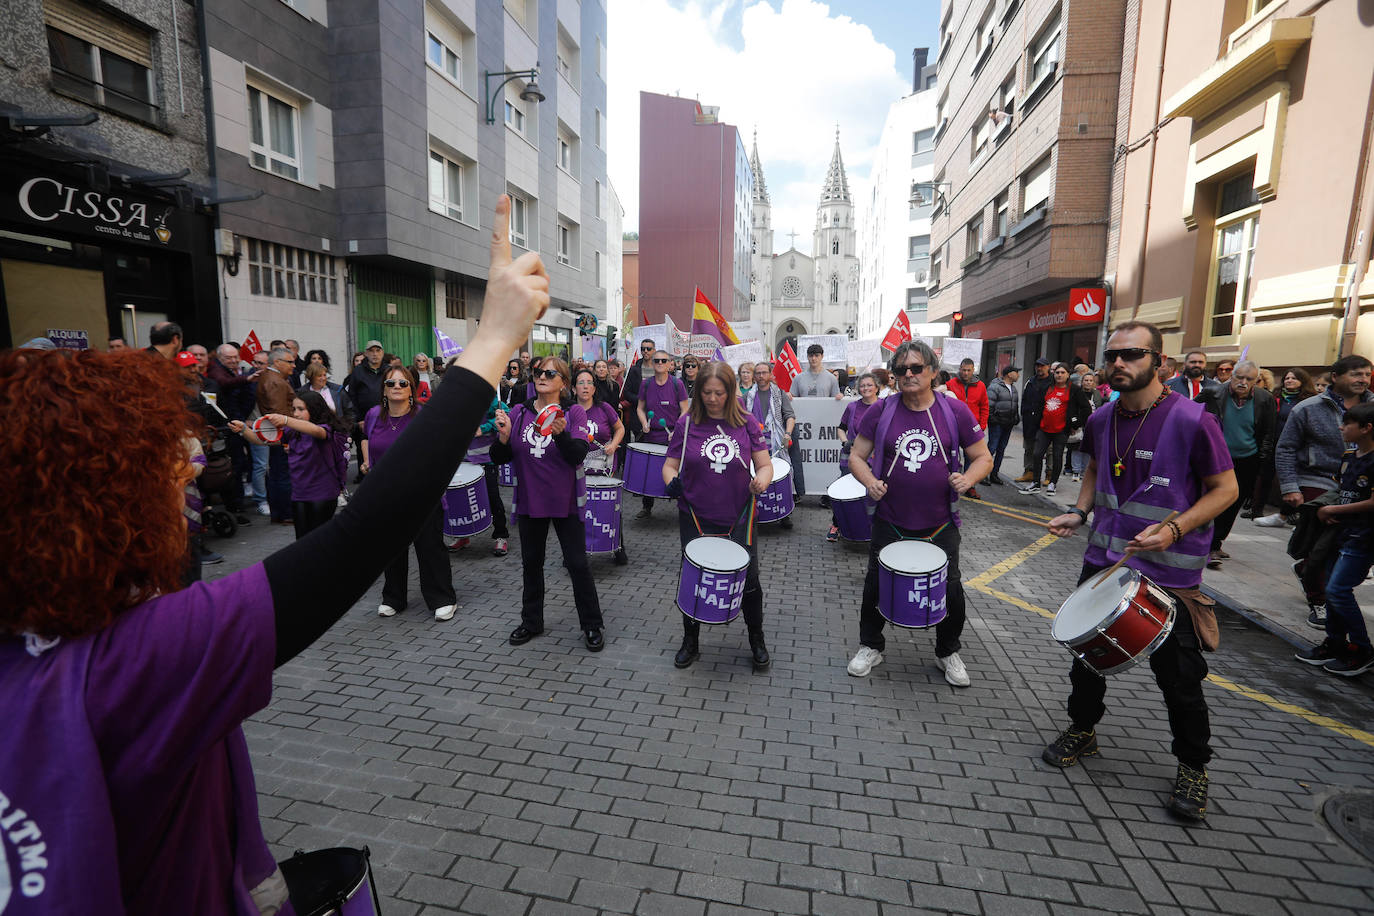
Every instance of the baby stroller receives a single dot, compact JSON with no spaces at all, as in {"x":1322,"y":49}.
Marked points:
{"x":218,"y":486}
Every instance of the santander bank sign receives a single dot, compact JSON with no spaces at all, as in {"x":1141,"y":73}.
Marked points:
{"x":1087,"y":305}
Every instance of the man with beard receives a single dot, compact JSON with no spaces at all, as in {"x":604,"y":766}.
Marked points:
{"x":1153,"y":453}
{"x":1193,"y":380}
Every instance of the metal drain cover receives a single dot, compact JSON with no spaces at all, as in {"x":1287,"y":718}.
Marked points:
{"x":1352,"y":817}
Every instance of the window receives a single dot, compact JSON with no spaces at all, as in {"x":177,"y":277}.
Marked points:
{"x":918,"y":247}
{"x":835,"y":246}
{"x":973,"y":241}
{"x":443,"y":58}
{"x":455,"y":299}
{"x":519,"y":217}
{"x":1233,"y":256}
{"x":1006,"y":96}
{"x":935,"y":261}
{"x":599,"y":128}
{"x":445,"y":186}
{"x":100,"y":60}
{"x":515,"y":116}
{"x":1002,"y":205}
{"x":596,"y":263}
{"x":979,"y":137}
{"x":600,"y":58}
{"x":567,"y":243}
{"x":1044,"y":52}
{"x":923,"y":141}
{"x":1035,"y":186}
{"x":274,"y":134}
{"x":567,"y":151}
{"x":597,"y":199}
{"x":283,"y":272}
{"x":916,"y":299}
{"x":566,"y":58}
{"x":523,"y":12}
{"x":834,"y":289}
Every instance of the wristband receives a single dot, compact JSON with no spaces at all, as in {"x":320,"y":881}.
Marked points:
{"x":1178,"y":532}
{"x":1081,"y":513}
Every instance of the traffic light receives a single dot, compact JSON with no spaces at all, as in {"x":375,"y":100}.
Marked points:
{"x":956,"y":324}
{"x":610,"y":340}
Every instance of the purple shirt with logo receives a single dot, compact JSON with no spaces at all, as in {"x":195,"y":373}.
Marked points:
{"x":854,"y":413}
{"x":546,"y":486}
{"x":918,"y":483}
{"x":382,"y":430}
{"x":318,"y":466}
{"x":124,"y":766}
{"x":664,"y":400}
{"x":715,"y":466}
{"x":601,"y":420}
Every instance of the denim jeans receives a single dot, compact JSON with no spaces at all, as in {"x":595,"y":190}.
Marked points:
{"x":1343,"y":617}
{"x":259,"y":473}
{"x":998,"y":437}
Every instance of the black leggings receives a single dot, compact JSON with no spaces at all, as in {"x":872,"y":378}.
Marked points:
{"x":309,"y":514}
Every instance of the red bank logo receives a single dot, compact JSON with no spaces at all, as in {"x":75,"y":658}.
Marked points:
{"x":1087,"y":304}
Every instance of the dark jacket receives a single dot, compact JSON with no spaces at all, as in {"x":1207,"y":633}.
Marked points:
{"x":1266,"y":414}
{"x":1002,"y":406}
{"x":365,"y":388}
{"x":235,"y":391}
{"x":629,"y":393}
{"x":1179,"y":383}
{"x":1033,"y":401}
{"x":343,"y":404}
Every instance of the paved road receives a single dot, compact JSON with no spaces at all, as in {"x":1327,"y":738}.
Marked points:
{"x":543,"y":779}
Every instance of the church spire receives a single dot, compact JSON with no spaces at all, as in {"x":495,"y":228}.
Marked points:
{"x":760,"y":187}
{"x":836,"y":184}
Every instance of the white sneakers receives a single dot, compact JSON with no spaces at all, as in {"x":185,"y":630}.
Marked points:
{"x":954,"y":669}
{"x":1272,"y":521}
{"x":446,"y":612}
{"x":386,"y":610}
{"x":864,"y":660}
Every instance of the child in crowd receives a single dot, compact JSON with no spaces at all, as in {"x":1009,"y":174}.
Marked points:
{"x":315,"y":440}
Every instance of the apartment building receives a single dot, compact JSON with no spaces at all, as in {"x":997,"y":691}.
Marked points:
{"x":1026,"y":122}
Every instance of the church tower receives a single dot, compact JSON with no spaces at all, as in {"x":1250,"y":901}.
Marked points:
{"x":835,"y":251}
{"x":761,"y":261}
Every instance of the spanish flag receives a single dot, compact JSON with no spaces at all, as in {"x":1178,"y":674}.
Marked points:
{"x":706,"y":320}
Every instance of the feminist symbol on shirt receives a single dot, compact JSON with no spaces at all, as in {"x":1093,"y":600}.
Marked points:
{"x":536,"y":442}
{"x":591,"y":429}
{"x":720,"y":450}
{"x":915,"y":445}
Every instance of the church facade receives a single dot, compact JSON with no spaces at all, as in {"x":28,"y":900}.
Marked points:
{"x":795,"y":292}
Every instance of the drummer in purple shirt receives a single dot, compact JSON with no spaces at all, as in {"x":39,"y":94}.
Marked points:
{"x":127,"y":784}
{"x":1152,"y":452}
{"x":550,"y":491}
{"x":605,"y":433}
{"x":915,"y":441}
{"x":662,"y":400}
{"x":708,"y":472}
{"x":854,"y":412}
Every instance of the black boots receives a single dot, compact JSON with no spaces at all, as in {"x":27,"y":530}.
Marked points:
{"x":688,"y":653}
{"x":761,"y":659}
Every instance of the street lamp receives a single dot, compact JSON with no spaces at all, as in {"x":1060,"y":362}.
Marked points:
{"x":920,"y":190}
{"x":531,"y":92}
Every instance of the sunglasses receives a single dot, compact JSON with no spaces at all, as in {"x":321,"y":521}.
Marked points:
{"x":397,"y":383}
{"x":909,"y":370}
{"x":1129,"y":354}
{"x":689,"y":365}
{"x":545,"y":373}
{"x":660,"y":360}
{"x":648,"y":349}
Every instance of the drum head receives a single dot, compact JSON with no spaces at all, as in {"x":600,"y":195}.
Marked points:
{"x":717,"y":554}
{"x":1090,"y":607}
{"x":466,"y":475}
{"x":846,"y":488}
{"x":546,"y":417}
{"x":605,"y":483}
{"x":912,"y":557}
{"x":648,"y":448}
{"x":781,"y":469}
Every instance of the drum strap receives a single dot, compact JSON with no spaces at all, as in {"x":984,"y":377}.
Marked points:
{"x":916,"y":537}
{"x":749,"y":511}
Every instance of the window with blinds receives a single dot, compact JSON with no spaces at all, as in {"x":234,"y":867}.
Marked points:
{"x":100,"y":58}
{"x":1035,"y":186}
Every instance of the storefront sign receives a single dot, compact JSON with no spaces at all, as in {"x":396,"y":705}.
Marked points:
{"x":1049,"y":317}
{"x":69,"y":340}
{"x":44,"y":203}
{"x":1087,"y":305}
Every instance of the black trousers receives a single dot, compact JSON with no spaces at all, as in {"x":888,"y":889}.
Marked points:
{"x":500,"y":525}
{"x":278,"y":484}
{"x":798,"y":477}
{"x":1053,"y":443}
{"x":947,"y":631}
{"x":436,"y":579}
{"x":572,"y":539}
{"x":311,"y":513}
{"x":752,"y":606}
{"x":1247,"y":469}
{"x":1029,"y":430}
{"x":1179,"y":669}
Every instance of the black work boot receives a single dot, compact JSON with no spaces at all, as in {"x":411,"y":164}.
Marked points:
{"x":687,"y":654}
{"x":1071,"y":744}
{"x":1189,"y":798}
{"x":761,"y":659}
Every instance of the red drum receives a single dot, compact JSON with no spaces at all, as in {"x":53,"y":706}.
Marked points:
{"x":546,"y":418}
{"x":1116,"y":625}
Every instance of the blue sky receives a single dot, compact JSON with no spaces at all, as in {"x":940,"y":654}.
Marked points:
{"x":793,"y":69}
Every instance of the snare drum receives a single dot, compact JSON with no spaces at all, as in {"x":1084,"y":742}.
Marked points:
{"x":711,"y":589}
{"x":644,"y":469}
{"x":596,"y":461}
{"x":776,"y":502}
{"x":505,"y":474}
{"x":602,"y":514}
{"x":331,"y":882}
{"x":1116,"y":625}
{"x":850,"y":503}
{"x":467,"y":510}
{"x":912,"y":579}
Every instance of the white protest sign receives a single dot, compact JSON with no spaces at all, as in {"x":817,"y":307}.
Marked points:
{"x":864,"y":354}
{"x":745,"y":351}
{"x":818,"y":440}
{"x":957,"y":349}
{"x":746,"y":331}
{"x":835,"y":345}
{"x":658,"y":333}
{"x":682,"y":343}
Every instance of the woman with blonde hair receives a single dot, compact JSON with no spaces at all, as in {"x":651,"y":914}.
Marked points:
{"x":426,"y":379}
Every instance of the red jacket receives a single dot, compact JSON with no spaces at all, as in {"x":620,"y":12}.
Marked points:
{"x":975,"y":396}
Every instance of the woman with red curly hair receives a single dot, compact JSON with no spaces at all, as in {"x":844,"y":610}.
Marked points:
{"x":125,"y":782}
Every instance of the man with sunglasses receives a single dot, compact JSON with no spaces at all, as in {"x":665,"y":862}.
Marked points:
{"x":1153,"y":453}
{"x":915,"y":442}
{"x":629,"y":392}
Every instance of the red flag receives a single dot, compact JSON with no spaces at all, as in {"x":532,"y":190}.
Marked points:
{"x":251,"y":347}
{"x":899,"y":333}
{"x":786,"y":367}
{"x":644,"y":314}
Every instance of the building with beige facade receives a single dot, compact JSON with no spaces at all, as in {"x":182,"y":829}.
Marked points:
{"x":1026,"y":130}
{"x":1245,"y":182}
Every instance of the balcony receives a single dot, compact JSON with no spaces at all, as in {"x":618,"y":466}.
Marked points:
{"x":1264,"y":52}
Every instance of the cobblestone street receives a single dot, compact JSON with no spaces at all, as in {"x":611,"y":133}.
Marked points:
{"x":544,"y":779}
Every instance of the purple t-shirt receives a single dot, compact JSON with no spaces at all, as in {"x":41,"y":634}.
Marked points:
{"x":382,"y":431}
{"x":664,"y":400}
{"x":601,"y":420}
{"x":546,"y":486}
{"x":1209,"y":455}
{"x":124,"y":752}
{"x":318,"y":466}
{"x":853,"y":415}
{"x":918,"y":483}
{"x":715,"y":466}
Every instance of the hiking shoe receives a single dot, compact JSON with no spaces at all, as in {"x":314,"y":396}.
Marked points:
{"x":1328,"y":650}
{"x":1024,"y":478}
{"x":833,"y":534}
{"x":1189,"y":798}
{"x":1357,"y":662}
{"x":1071,"y":744}
{"x":1316,"y":616}
{"x":954,"y":669}
{"x":864,"y":660}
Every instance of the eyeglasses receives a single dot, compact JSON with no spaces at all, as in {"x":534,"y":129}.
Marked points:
{"x":646,"y":349}
{"x":545,"y":373}
{"x":1129,"y":354}
{"x":917,"y":369}
{"x":397,"y":383}
{"x":660,"y":360}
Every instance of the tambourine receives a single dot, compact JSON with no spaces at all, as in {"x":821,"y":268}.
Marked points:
{"x":266,"y":430}
{"x":545,"y":419}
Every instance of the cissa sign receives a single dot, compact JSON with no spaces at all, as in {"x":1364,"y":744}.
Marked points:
{"x":46,"y":203}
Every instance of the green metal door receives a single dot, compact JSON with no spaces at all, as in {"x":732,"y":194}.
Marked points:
{"x":395,"y":308}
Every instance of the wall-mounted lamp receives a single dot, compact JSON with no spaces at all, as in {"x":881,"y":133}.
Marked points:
{"x":531,"y":92}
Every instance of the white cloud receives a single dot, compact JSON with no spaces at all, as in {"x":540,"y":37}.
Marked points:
{"x":793,"y":72}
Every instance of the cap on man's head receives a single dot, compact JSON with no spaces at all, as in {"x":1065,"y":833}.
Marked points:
{"x":1009,"y":370}
{"x":1042,"y":361}
{"x":185,"y":359}
{"x":39,"y":343}
{"x":374,"y":343}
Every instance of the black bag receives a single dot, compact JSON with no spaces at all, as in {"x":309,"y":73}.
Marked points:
{"x":219,"y":470}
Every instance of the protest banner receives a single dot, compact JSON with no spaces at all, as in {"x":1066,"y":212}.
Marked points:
{"x":818,"y":440}
{"x":864,"y":354}
{"x":748,"y":350}
{"x":836,"y":348}
{"x":955,"y":350}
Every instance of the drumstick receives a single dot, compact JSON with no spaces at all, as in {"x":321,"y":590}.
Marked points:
{"x":1022,"y":518}
{"x":1127,"y":555}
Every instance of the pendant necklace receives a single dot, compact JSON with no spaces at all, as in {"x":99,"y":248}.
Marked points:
{"x":1119,"y":466}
